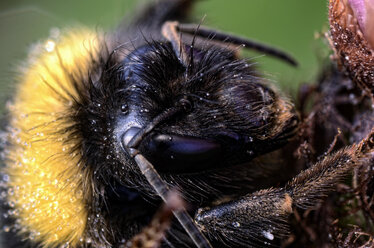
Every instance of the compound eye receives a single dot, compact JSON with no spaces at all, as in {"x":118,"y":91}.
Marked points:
{"x":181,"y":154}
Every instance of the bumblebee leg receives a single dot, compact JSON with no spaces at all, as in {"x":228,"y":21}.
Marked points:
{"x":261,"y":217}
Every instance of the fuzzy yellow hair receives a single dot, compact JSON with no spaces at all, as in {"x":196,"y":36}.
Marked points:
{"x":45,"y":178}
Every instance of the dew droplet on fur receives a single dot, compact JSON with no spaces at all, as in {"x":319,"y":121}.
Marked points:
{"x":268,"y":235}
{"x":32,"y":236}
{"x":3,"y":195}
{"x":66,"y":245}
{"x":11,"y":204}
{"x":50,"y":46}
{"x":6,"y":178}
{"x":10,"y":191}
{"x":6,"y":228}
{"x":235,"y":224}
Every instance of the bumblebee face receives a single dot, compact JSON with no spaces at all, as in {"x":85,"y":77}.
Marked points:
{"x":227,"y":108}
{"x":229,"y":115}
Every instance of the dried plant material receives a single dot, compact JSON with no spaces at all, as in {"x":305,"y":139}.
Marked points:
{"x":152,"y":235}
{"x":369,"y":25}
{"x":350,"y":25}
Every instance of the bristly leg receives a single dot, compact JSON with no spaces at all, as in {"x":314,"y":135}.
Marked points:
{"x":337,"y":103}
{"x":261,"y":219}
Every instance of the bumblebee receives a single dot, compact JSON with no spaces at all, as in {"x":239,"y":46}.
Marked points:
{"x":103,"y":126}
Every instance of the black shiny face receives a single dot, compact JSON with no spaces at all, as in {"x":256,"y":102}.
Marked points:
{"x":229,"y":115}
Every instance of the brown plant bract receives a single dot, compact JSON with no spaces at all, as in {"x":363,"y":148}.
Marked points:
{"x":353,"y":50}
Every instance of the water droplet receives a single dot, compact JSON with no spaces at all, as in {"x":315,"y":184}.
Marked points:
{"x":32,"y":236}
{"x":10,"y":191}
{"x":3,"y":195}
{"x":268,"y":235}
{"x":124,"y":108}
{"x":235,"y":224}
{"x":250,"y":152}
{"x":50,"y":46}
{"x":11,"y":204}
{"x":66,"y":245}
{"x":6,"y":178}
{"x":6,"y":228}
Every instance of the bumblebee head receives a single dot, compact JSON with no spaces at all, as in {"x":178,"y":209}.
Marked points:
{"x":227,"y":114}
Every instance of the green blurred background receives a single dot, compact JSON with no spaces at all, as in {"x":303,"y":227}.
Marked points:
{"x":287,"y":24}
